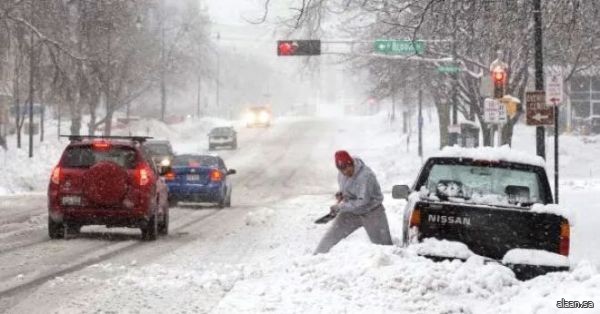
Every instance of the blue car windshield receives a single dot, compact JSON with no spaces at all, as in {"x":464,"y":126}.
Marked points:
{"x":195,"y":161}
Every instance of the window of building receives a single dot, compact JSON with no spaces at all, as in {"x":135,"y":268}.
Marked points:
{"x":581,"y":109}
{"x":580,"y":84}
{"x":596,"y":108}
{"x":596,"y":83}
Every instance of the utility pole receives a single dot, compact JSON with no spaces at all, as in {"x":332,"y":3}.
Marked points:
{"x":163,"y":87}
{"x":539,"y":72}
{"x":198,"y":96}
{"x":420,"y":122}
{"x":31,"y":82}
{"x":218,"y":79}
{"x":108,"y":125}
{"x":454,"y":136}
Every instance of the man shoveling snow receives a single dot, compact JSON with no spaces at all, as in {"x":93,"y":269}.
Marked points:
{"x":359,"y":205}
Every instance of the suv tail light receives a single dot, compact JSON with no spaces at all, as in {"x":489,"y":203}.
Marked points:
{"x":216,"y":175}
{"x":101,"y":145}
{"x":565,"y":236}
{"x":142,"y":174}
{"x":56,"y":175}
{"x":170,"y":176}
{"x":415,"y":218}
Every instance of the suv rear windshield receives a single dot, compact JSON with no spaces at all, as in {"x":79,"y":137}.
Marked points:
{"x":159,"y":149}
{"x":86,"y":156}
{"x":195,"y":161}
{"x":485,"y":184}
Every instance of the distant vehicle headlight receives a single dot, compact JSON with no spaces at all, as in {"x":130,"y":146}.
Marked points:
{"x":250,"y":117}
{"x":263,"y":117}
{"x":165,"y":162}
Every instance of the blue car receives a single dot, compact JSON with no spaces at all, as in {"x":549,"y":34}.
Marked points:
{"x":199,"y":179}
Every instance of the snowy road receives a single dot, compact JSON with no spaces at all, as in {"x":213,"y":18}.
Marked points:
{"x":272,"y":165}
{"x":256,"y":256}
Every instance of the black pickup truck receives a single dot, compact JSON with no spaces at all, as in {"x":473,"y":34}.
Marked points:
{"x":487,"y":205}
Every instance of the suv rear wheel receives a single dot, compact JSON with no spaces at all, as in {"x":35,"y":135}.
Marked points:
{"x":150,"y":231}
{"x":55,"y":230}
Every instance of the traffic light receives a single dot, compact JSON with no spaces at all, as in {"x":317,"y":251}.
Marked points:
{"x":298,"y":47}
{"x":499,"y":78}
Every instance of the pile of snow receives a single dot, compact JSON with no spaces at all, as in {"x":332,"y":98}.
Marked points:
{"x":535,"y":257}
{"x":442,"y":248}
{"x":21,"y":174}
{"x":556,"y":210}
{"x":259,"y":217}
{"x":503,"y":153}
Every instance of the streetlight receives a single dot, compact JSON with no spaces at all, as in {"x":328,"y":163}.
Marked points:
{"x":218,"y":78}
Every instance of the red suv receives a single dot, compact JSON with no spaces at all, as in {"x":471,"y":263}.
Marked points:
{"x":109,"y":181}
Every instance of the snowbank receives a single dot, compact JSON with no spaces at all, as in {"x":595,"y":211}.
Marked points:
{"x":556,"y":210}
{"x":442,"y":248}
{"x":504,"y":153}
{"x":535,"y":257}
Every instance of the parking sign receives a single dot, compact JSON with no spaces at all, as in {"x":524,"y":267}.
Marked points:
{"x":554,"y":89}
{"x":494,"y":111}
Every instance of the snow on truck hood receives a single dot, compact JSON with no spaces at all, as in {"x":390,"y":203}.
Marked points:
{"x":503,"y":153}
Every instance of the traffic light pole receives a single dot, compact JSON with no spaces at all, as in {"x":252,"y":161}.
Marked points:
{"x":556,"y":153}
{"x":539,"y":72}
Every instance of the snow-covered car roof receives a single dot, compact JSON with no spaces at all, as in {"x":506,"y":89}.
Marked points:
{"x":503,"y":153}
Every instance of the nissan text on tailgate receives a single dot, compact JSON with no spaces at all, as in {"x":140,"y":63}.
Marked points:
{"x":109,"y":181}
{"x":493,"y":200}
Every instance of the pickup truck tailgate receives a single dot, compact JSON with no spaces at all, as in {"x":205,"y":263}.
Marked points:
{"x":490,"y":231}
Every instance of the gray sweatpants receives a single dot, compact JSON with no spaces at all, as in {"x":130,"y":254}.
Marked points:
{"x":375,"y":223}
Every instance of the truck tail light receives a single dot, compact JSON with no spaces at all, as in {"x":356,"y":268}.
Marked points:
{"x":565,"y":236}
{"x":216,"y":175}
{"x":415,"y":218}
{"x":56,"y":175}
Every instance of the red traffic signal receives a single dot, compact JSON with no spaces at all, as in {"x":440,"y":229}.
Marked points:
{"x":286,"y":48}
{"x":499,"y":77}
{"x":298,"y":47}
{"x":499,"y":74}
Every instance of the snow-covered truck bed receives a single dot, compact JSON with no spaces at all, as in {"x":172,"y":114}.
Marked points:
{"x":492,"y":200}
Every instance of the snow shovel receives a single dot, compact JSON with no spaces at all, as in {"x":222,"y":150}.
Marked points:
{"x":325,"y":219}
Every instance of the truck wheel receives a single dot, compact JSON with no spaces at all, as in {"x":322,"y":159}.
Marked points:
{"x":150,"y":232}
{"x":163,"y":228}
{"x":55,"y":230}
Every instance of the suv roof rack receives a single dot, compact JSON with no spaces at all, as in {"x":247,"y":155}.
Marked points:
{"x":78,"y":138}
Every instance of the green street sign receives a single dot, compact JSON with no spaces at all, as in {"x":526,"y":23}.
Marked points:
{"x":399,"y":47}
{"x":448,"y":68}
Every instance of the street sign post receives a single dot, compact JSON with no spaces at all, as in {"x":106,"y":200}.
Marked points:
{"x":538,"y":113}
{"x":399,"y":47}
{"x":554,"y":89}
{"x":554,"y":97}
{"x":494,"y":112}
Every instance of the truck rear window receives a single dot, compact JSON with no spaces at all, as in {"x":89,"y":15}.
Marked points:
{"x":484,"y":183}
{"x":86,"y":157}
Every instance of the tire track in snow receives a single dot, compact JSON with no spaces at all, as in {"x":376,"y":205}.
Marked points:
{"x":26,"y":286}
